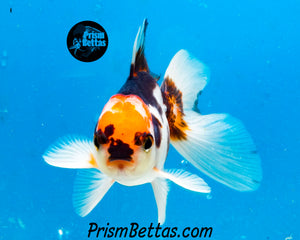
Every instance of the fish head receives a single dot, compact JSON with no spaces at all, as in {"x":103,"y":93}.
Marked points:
{"x":124,"y":138}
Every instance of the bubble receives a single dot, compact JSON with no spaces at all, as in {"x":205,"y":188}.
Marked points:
{"x":209,"y":196}
{"x":21,"y":223}
{"x":289,"y":237}
{"x":3,"y":58}
{"x":62,"y":233}
{"x":184,"y":162}
{"x":3,"y":63}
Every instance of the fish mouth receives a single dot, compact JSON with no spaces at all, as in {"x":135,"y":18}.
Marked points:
{"x":127,"y":159}
{"x":120,"y":163}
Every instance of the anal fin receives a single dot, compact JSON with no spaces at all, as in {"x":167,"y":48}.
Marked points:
{"x":160,"y":189}
{"x":185,"y":179}
{"x":89,"y":188}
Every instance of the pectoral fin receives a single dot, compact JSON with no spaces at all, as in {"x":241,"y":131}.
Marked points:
{"x":71,"y":153}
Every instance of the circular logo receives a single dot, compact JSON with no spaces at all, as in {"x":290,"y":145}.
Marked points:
{"x":87,"y":41}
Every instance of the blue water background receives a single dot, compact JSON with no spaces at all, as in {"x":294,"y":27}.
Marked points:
{"x":252,"y":49}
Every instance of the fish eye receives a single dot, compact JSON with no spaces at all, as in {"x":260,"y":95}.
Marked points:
{"x":148,"y":143}
{"x":144,"y":139}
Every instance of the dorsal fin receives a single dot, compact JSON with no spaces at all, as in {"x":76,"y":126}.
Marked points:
{"x":139,"y":62}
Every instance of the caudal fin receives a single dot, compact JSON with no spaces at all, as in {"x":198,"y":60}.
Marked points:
{"x":217,"y":144}
{"x":220,"y":146}
{"x":186,"y":77}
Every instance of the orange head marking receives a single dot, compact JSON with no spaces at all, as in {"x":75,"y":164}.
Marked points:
{"x":122,"y":118}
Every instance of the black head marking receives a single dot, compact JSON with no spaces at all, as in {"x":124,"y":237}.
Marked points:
{"x":119,"y":150}
{"x":109,"y":130}
{"x":139,"y":138}
{"x":101,"y":137}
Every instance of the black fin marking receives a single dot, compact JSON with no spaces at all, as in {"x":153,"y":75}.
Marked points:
{"x":155,"y":76}
{"x":172,"y":98}
{"x":139,"y":62}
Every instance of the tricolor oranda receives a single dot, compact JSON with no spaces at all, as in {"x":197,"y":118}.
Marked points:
{"x":134,"y":131}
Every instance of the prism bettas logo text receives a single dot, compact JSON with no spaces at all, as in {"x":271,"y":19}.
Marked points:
{"x":87,"y":41}
{"x":94,"y":39}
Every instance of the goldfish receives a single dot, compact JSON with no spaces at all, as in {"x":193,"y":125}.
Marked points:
{"x":133,"y":134}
